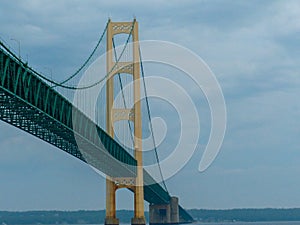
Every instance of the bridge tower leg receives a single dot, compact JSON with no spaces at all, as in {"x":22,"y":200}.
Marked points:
{"x":113,"y":115}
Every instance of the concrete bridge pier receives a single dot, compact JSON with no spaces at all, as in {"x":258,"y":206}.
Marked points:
{"x":111,"y":221}
{"x":164,"y":213}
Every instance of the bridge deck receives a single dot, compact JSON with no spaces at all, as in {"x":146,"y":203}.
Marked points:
{"x":33,"y":106}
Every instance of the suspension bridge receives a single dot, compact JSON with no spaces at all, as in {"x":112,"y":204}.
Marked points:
{"x":48,"y":110}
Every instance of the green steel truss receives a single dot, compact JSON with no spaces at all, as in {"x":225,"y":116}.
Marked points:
{"x":29,"y":104}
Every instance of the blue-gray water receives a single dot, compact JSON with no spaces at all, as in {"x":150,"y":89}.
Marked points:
{"x":246,"y":223}
{"x":251,"y":223}
{"x":239,"y":223}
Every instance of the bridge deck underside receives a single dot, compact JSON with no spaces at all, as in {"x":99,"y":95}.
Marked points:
{"x":27,"y":118}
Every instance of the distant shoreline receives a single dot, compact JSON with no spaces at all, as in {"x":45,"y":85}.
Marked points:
{"x":246,"y":215}
{"x":97,"y":216}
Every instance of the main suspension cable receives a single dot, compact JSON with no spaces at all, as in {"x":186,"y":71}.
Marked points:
{"x":50,"y":80}
{"x":112,"y":69}
{"x":66,"y":86}
{"x":149,"y":117}
{"x":88,"y":59}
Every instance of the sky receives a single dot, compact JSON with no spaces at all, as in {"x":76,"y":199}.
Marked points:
{"x":253,"y":49}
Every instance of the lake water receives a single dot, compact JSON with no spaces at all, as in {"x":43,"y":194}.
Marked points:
{"x":245,"y":223}
{"x":251,"y":223}
{"x":234,"y":223}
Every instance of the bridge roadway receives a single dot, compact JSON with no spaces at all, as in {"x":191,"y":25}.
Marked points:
{"x":29,"y":104}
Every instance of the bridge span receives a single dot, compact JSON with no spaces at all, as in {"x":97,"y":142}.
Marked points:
{"x":30,"y":104}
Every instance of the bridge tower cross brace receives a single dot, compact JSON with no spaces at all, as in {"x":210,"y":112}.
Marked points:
{"x":134,"y":114}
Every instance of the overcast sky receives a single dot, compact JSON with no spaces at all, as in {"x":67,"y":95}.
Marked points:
{"x":253,"y":48}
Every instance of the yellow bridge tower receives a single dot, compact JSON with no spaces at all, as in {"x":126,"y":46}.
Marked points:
{"x":134,"y":114}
